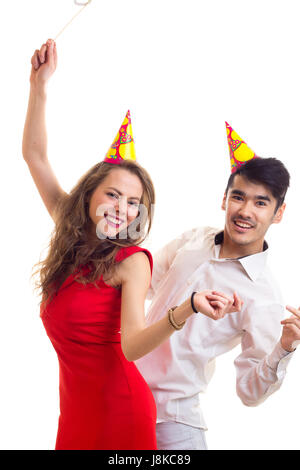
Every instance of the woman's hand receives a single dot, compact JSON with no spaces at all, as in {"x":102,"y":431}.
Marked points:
{"x":44,"y":62}
{"x":216,"y":305}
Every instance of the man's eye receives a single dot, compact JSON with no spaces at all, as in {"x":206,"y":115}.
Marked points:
{"x":238,"y":198}
{"x":261,"y":203}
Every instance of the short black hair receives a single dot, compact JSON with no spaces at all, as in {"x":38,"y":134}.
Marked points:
{"x":269,"y":172}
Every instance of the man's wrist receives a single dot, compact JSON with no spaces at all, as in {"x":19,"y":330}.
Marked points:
{"x":287,"y":347}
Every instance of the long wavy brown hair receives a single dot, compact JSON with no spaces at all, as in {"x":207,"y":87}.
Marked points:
{"x":71,"y":246}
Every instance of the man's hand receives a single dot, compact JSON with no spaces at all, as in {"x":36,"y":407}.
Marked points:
{"x":217,"y":304}
{"x":291,"y":330}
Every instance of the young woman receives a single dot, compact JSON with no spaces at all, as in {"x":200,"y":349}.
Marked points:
{"x":93,"y":283}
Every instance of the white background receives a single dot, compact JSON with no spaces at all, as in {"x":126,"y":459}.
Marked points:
{"x":182,"y":68}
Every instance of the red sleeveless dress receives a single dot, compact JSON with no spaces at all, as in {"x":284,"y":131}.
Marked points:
{"x":104,"y":401}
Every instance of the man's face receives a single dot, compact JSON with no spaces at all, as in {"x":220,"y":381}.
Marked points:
{"x":250,"y":210}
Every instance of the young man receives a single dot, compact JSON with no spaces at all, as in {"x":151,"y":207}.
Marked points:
{"x":233,"y":259}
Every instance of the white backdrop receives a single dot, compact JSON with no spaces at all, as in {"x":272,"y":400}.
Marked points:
{"x":182,"y":68}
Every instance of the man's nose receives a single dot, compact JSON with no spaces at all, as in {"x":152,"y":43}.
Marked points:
{"x":245,"y":210}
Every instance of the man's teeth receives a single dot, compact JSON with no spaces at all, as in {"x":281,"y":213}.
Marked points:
{"x":114,"y":221}
{"x":240,"y":224}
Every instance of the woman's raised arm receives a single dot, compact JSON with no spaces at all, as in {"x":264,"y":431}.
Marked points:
{"x":35,"y":135}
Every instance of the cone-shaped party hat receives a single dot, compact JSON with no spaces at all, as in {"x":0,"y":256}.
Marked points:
{"x":239,"y":151}
{"x":123,"y":145}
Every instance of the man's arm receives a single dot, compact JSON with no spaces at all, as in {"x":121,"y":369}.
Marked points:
{"x":261,"y":367}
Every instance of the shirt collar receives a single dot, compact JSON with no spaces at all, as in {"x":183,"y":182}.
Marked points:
{"x":252,"y":264}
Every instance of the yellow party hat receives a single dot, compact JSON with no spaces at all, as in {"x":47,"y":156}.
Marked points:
{"x":239,"y":151}
{"x":123,"y":145}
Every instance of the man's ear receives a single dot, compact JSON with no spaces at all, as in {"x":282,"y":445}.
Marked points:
{"x":279,"y":214}
{"x":223,"y":206}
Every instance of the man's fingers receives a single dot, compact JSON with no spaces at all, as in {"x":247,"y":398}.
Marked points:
{"x":212,"y":297}
{"x":217,"y":304}
{"x":293,"y":329}
{"x":237,"y":302}
{"x":294,"y":311}
{"x":222,"y":295}
{"x":218,"y":310}
{"x":291,"y":321}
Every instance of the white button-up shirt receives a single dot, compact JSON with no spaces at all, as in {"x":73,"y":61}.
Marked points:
{"x":180,"y":368}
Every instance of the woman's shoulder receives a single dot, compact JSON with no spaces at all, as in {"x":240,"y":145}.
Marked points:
{"x":127,"y":251}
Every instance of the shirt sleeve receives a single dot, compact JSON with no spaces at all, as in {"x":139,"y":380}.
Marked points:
{"x":261,"y":367}
{"x":163,"y":259}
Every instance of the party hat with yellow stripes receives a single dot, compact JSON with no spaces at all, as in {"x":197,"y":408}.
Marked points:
{"x":122,"y":147}
{"x":239,"y":151}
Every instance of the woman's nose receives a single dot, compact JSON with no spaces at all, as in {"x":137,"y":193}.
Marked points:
{"x":121,"y":205}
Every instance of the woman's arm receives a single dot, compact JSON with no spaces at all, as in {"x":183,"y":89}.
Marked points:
{"x":137,"y":339}
{"x":35,"y":135}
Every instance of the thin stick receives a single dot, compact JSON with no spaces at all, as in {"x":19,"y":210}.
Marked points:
{"x":72,"y":19}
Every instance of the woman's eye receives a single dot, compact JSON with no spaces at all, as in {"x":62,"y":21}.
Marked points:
{"x":112,"y":195}
{"x":131,"y":203}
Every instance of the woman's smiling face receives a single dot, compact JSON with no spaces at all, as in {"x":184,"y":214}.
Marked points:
{"x":115,"y":202}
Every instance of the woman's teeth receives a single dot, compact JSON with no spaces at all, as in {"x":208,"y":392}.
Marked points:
{"x":113,"y":220}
